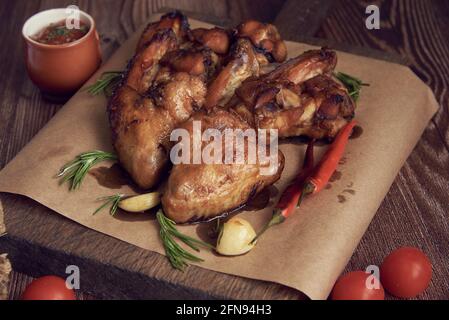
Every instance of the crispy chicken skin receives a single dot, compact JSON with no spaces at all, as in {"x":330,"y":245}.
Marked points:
{"x":141,"y":125}
{"x":255,"y":45}
{"x":175,"y":21}
{"x":217,"y":39}
{"x":305,"y":66}
{"x":163,"y":85}
{"x":201,"y":192}
{"x":242,"y":64}
{"x":298,"y":98}
{"x":318,"y":109}
{"x":167,"y":80}
{"x":144,"y":66}
{"x":179,"y":76}
{"x":266,"y":38}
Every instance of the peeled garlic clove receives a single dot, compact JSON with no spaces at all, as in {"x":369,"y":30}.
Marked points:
{"x":235,"y":237}
{"x":140,"y":203}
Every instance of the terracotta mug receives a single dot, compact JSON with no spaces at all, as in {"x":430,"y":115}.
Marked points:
{"x":60,"y":70}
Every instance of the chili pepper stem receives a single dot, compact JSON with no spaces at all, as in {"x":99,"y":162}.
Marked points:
{"x":276,"y":219}
{"x":308,"y":188}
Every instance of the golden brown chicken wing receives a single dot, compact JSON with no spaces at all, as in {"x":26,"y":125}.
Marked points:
{"x":266,"y":38}
{"x":305,"y":66}
{"x":242,"y":64}
{"x":144,"y":66}
{"x":198,"y":192}
{"x":298,"y":98}
{"x":142,"y":124}
{"x":166,"y":82}
{"x":162,"y":87}
{"x":255,"y":45}
{"x":319,"y":109}
{"x":217,"y":39}
{"x":175,"y":21}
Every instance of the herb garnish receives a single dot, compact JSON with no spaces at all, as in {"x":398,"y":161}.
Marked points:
{"x":106,"y":83}
{"x":111,"y":200}
{"x":352,"y":84}
{"x":75,"y":171}
{"x":178,"y":256}
{"x":59,"y":31}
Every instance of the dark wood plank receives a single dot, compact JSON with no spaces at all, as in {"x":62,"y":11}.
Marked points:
{"x":415,"y":210}
{"x":302,"y":18}
{"x":416,"y":30}
{"x":19,"y":281}
{"x":111,"y":268}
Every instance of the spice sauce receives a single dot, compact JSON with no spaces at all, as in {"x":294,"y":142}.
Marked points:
{"x":58,"y":33}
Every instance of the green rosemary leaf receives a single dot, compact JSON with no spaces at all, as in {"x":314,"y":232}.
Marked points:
{"x":177,"y":255}
{"x":75,"y":171}
{"x":105,"y":84}
{"x":170,"y":224}
{"x":112,"y":201}
{"x":352,"y":84}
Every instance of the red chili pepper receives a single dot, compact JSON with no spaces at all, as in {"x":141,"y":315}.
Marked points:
{"x":328,"y":164}
{"x":304,"y":183}
{"x":292,"y":194}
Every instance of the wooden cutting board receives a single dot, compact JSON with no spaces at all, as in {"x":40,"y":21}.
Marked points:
{"x":41,"y":242}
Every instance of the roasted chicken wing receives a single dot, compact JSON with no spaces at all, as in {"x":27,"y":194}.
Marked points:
{"x":175,"y":21}
{"x":162,"y":87}
{"x":242,"y":64}
{"x":305,"y":66}
{"x":167,"y":81}
{"x":255,"y":45}
{"x":300,"y":97}
{"x":199,"y":192}
{"x":267,"y":40}
{"x":217,"y":39}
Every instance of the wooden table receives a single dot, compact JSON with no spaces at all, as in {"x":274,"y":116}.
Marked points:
{"x":415,"y":211}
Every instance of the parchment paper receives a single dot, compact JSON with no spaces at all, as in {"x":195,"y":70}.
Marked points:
{"x":307,"y":252}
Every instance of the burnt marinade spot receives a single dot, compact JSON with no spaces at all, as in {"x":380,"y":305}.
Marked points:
{"x":337,"y":98}
{"x":156,"y":94}
{"x":267,"y":54}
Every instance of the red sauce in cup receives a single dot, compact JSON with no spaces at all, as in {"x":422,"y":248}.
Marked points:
{"x":58,"y":33}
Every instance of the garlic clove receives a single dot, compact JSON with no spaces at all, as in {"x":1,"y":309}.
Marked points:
{"x":235,"y":237}
{"x":140,"y":203}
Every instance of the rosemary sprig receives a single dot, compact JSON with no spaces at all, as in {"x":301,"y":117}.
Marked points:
{"x":178,"y":256}
{"x":111,"y":200}
{"x":75,"y":171}
{"x":351,"y":83}
{"x":106,"y":83}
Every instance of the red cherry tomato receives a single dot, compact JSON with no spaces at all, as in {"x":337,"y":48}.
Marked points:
{"x":406,"y":272}
{"x":48,"y":288}
{"x":353,"y":286}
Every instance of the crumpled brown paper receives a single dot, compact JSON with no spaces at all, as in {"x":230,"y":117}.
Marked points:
{"x":309,"y":250}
